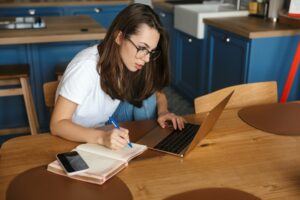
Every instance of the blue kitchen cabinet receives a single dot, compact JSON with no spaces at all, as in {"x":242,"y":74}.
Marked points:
{"x":31,"y":11}
{"x":234,"y":60}
{"x":103,"y":14}
{"x":227,"y":59}
{"x":167,"y":19}
{"x":271,"y":59}
{"x":187,"y":58}
{"x":190,"y":69}
{"x":12,"y":109}
{"x":44,"y":58}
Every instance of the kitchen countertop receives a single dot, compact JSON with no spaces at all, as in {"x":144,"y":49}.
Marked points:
{"x":249,"y":27}
{"x":59,"y":29}
{"x":252,"y":27}
{"x":42,"y":3}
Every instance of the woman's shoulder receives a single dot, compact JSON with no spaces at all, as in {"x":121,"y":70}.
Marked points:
{"x":84,"y":64}
{"x":87,"y":58}
{"x":90,"y":53}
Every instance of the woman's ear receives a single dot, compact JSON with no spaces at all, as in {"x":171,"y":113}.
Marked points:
{"x":119,"y":38}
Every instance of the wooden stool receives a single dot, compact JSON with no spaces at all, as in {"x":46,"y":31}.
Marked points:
{"x":60,"y":69}
{"x":18,"y":75}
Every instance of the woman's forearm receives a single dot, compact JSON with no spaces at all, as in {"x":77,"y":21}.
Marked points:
{"x":71,"y":131}
{"x":162,"y":103}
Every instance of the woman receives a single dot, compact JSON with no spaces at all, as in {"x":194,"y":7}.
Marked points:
{"x":130,"y":66}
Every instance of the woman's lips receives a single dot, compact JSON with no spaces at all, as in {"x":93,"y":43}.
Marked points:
{"x":138,"y":66}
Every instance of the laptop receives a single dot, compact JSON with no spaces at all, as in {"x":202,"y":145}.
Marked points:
{"x":180,"y":143}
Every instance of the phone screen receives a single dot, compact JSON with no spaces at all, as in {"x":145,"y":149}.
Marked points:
{"x":72,"y":161}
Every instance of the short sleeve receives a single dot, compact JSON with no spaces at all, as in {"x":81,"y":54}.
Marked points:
{"x":78,"y":81}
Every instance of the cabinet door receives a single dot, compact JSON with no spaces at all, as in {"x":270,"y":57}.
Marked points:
{"x":44,"y":59}
{"x":31,"y":11}
{"x":189,"y":66}
{"x":12,"y":109}
{"x":167,"y":20}
{"x":270,"y":60}
{"x":227,"y":62}
{"x":104,"y":15}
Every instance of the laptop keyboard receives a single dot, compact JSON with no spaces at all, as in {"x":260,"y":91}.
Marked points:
{"x":176,"y":141}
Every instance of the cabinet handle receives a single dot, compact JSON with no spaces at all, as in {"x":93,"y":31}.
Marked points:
{"x":227,"y":39}
{"x":162,"y":14}
{"x":31,"y":11}
{"x":97,"y":10}
{"x":190,"y":40}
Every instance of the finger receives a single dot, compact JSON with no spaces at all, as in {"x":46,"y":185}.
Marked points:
{"x":120,"y":133}
{"x":118,"y":142}
{"x":182,"y":120}
{"x":117,"y":146}
{"x":161,"y":123}
{"x":124,"y":129}
{"x":117,"y":136}
{"x":124,"y":134}
{"x":114,"y":147}
{"x":123,"y":137}
{"x":180,"y":123}
{"x":174,"y":123}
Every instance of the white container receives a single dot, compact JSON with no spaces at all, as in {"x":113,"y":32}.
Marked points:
{"x":274,"y":7}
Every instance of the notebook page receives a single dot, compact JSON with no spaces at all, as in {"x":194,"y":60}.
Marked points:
{"x":125,"y":154}
{"x":100,"y":165}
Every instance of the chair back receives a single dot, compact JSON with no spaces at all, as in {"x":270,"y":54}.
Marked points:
{"x":49,"y":89}
{"x":244,"y":95}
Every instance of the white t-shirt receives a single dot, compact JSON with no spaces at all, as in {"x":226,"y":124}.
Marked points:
{"x":81,"y":85}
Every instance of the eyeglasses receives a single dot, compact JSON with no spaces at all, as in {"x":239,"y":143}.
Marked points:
{"x":143,"y":51}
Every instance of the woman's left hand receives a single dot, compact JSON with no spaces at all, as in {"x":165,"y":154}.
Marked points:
{"x":177,"y":121}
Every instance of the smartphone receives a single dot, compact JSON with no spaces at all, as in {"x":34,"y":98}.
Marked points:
{"x":72,"y":162}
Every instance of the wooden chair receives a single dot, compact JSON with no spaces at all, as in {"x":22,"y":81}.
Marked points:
{"x":16,"y":77}
{"x":244,"y":95}
{"x":49,"y":90}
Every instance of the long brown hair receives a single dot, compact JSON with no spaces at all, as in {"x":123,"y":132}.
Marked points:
{"x":116,"y":80}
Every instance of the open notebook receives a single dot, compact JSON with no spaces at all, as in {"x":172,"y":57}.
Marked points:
{"x":103,"y":162}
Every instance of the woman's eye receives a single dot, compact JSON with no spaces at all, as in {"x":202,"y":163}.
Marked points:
{"x":143,"y":48}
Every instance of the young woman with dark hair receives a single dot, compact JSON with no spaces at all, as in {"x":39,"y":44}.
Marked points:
{"x":123,"y":76}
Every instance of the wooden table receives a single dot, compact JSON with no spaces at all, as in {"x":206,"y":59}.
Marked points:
{"x":234,"y":155}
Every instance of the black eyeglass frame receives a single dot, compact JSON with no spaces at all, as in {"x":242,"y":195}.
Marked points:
{"x":154,"y":54}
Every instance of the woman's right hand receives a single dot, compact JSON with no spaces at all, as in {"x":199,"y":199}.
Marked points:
{"x":115,"y":139}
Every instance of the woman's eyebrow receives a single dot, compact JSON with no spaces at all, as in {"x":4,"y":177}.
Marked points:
{"x":148,"y":46}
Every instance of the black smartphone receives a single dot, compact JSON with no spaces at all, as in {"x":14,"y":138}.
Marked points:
{"x":72,"y":162}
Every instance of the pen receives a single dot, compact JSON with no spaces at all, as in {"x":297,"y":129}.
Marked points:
{"x":116,"y":125}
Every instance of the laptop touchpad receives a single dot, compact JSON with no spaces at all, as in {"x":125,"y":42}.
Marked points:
{"x":156,"y":135}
